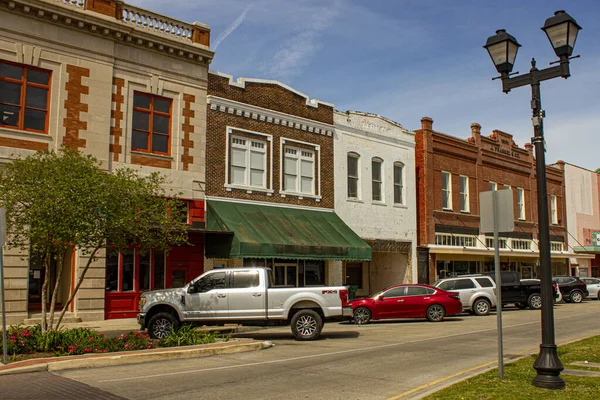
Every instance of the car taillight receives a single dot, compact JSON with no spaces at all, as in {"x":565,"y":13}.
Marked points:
{"x":344,"y":297}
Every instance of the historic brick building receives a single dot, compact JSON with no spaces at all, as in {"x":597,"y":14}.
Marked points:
{"x":270,"y":183}
{"x":451,"y":172}
{"x":120,"y":83}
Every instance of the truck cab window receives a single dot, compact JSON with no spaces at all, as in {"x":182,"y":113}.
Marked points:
{"x":245,"y":279}
{"x":212,"y":281}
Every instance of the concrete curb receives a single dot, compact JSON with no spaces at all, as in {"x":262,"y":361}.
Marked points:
{"x":134,"y":357}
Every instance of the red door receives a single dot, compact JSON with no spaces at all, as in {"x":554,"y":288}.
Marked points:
{"x":390,"y":304}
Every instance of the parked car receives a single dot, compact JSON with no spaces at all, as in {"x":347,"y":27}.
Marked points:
{"x":477,"y":292}
{"x":593,"y":287}
{"x":243,"y":296}
{"x":573,"y":289}
{"x":406,"y":301}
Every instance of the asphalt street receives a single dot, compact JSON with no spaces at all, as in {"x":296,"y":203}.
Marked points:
{"x":375,"y":361}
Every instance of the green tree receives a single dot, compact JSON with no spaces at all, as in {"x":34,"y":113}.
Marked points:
{"x":57,"y":202}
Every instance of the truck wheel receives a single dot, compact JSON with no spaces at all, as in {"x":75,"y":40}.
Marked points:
{"x":307,"y":325}
{"x":576,"y":296}
{"x":481,"y":307}
{"x":362,"y":315}
{"x":535,"y":301}
{"x":160,"y":325}
{"x":435,"y":313}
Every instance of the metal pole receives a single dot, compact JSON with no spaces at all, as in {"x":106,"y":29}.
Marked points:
{"x":4,"y":344}
{"x":547,"y":365}
{"x":498,"y":285}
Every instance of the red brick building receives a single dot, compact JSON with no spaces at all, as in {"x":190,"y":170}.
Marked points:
{"x":451,"y":172}
{"x":269,"y":187}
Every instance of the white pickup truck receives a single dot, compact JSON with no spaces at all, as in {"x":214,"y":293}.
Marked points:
{"x":243,"y":296}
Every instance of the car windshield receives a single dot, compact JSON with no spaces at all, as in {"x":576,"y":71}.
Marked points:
{"x":435,"y":284}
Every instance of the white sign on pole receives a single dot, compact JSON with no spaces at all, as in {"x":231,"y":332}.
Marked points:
{"x":506,"y":213}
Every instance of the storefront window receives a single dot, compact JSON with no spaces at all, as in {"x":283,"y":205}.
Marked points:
{"x":112,"y":271}
{"x":314,"y":273}
{"x":128,"y":268}
{"x":159,"y":269}
{"x":129,"y":272}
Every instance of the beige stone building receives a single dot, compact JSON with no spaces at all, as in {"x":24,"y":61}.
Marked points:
{"x":126,"y":85}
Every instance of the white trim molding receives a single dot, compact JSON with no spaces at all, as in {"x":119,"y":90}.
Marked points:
{"x":264,"y":203}
{"x":270,"y":116}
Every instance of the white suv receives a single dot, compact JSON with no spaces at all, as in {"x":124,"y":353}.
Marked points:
{"x":477,"y":293}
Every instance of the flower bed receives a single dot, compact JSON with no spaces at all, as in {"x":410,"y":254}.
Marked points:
{"x":23,"y":340}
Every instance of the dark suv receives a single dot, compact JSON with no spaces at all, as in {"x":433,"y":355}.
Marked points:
{"x":572,"y":288}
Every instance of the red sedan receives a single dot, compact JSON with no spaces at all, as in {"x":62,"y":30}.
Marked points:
{"x":407,"y":301}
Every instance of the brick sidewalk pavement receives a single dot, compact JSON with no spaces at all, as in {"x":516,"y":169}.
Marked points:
{"x":47,"y":386}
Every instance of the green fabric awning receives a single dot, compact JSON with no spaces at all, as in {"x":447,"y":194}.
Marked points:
{"x":261,"y":231}
{"x":587,"y":249}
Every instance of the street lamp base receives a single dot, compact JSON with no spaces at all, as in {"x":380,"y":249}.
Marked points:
{"x":548,"y":367}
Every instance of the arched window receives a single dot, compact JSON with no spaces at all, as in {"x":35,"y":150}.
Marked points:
{"x":398,"y":183}
{"x":376,"y":178}
{"x":353,"y":163}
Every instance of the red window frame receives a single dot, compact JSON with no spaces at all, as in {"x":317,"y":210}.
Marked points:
{"x":136,"y":271}
{"x":22,"y":101}
{"x":151,"y":113}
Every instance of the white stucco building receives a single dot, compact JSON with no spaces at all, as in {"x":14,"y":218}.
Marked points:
{"x":583,"y":219}
{"x":375,"y":195}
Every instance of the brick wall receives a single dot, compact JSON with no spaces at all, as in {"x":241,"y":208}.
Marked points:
{"x":495,"y":158}
{"x":74,"y":106}
{"x":273,"y":97}
{"x":269,"y":96}
{"x":116,"y":131}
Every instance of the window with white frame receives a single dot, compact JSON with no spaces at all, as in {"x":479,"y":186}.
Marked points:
{"x":493,"y":186}
{"x":446,"y":190}
{"x":299,"y":170}
{"x":248,"y":162}
{"x":353,"y":159}
{"x":554,"y":209}
{"x":464,"y":193}
{"x":448,"y":239}
{"x":507,"y":187}
{"x":521,"y":203}
{"x":377,"y":179}
{"x":398,"y":183}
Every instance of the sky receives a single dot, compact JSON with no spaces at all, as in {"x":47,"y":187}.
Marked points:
{"x":406,"y":59}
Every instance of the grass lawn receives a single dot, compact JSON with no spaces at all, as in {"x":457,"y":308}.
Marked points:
{"x":518,"y":376}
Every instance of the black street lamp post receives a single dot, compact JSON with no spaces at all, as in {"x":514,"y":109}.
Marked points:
{"x":561,"y":30}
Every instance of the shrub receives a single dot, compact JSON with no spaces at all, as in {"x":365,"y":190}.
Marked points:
{"x":22,"y":339}
{"x":74,"y":341}
{"x":132,"y":341}
{"x":187,"y":335}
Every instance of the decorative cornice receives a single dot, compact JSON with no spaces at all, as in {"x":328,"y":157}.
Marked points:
{"x":241,"y":83}
{"x":76,"y":18}
{"x":269,"y":116}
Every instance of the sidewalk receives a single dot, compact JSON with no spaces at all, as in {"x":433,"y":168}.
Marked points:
{"x":117,"y":327}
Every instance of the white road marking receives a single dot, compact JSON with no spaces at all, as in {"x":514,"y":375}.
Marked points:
{"x":383,"y":346}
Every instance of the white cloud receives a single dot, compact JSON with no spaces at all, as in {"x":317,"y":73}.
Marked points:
{"x":231,"y":28}
{"x":298,"y":51}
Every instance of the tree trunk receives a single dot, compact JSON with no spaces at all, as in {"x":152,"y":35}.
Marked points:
{"x":59,"y":269}
{"x":76,"y":288}
{"x":45,"y":289}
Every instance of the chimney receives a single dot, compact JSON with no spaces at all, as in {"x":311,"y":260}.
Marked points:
{"x":427,"y":123}
{"x":529,"y":148}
